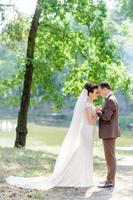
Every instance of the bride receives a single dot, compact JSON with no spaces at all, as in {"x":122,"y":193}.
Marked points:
{"x":74,"y":164}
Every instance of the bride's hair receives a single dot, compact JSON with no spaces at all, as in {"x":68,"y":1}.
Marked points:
{"x":90,"y":87}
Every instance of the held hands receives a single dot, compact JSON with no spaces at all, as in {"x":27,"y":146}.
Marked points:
{"x":99,"y":109}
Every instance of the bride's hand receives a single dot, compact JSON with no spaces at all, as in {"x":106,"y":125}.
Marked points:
{"x":99,"y":108}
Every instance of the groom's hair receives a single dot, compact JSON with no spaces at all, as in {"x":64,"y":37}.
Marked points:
{"x":105,"y":85}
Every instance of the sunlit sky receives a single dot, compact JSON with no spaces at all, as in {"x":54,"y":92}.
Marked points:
{"x":28,"y":6}
{"x":25,"y":6}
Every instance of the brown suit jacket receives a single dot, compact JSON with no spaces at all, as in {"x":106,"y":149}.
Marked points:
{"x":108,"y":119}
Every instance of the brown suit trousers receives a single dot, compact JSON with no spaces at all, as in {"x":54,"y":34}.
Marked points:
{"x":109,"y":131}
{"x":109,"y":151}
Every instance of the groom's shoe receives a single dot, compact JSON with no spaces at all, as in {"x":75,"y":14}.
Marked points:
{"x":106,"y":185}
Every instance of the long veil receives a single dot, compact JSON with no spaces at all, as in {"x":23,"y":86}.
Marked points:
{"x":68,"y":147}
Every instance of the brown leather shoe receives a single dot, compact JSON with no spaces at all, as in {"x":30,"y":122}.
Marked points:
{"x":106,"y":185}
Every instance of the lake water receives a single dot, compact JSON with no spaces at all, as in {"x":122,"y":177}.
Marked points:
{"x":39,"y":137}
{"x":48,"y":138}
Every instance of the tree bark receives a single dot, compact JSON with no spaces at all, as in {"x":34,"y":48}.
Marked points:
{"x":21,"y":129}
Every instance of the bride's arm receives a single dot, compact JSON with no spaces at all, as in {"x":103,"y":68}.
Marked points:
{"x":90,"y":117}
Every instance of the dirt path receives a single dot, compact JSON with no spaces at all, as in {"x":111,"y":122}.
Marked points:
{"x":122,"y":191}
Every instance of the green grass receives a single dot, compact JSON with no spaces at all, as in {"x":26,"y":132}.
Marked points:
{"x":21,"y":162}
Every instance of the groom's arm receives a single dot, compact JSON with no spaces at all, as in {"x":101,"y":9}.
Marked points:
{"x":108,"y":111}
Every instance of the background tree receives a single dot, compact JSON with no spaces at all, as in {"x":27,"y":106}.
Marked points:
{"x":126,"y":8}
{"x":73,"y":41}
{"x":22,"y":117}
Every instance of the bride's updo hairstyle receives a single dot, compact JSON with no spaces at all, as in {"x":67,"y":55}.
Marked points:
{"x":90,"y":87}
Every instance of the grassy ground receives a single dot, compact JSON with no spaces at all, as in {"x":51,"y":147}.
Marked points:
{"x":39,"y":163}
{"x":36,"y":163}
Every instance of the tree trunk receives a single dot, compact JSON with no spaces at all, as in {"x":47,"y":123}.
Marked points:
{"x":21,"y":129}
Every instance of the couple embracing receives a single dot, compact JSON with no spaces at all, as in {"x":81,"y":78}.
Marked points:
{"x":74,"y":164}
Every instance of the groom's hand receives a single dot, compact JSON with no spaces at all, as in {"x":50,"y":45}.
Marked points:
{"x":99,"y":110}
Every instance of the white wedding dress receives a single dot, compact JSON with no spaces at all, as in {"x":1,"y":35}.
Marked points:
{"x":74,"y":164}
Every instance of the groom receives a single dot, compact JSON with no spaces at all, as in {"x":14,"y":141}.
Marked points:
{"x":108,"y":131}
